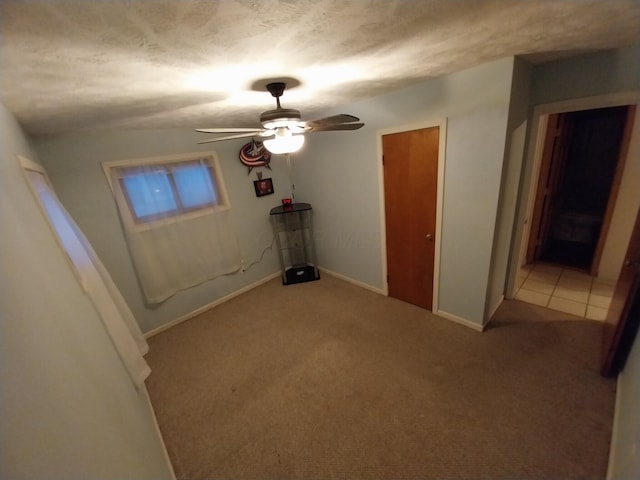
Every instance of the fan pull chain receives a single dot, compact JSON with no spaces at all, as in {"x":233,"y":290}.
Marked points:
{"x":293,"y":187}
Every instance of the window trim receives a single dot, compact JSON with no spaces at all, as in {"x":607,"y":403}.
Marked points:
{"x":185,"y":213}
{"x":27,"y":165}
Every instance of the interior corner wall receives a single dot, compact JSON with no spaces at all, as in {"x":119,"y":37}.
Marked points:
{"x":337,"y":172}
{"x":73,"y":162}
{"x":68,"y":408}
{"x":513,"y":161}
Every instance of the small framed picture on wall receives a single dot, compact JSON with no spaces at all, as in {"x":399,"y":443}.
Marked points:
{"x":263,"y":187}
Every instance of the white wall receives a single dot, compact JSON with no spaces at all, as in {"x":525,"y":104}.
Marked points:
{"x":68,"y":408}
{"x":73,"y":163}
{"x":338,"y":174}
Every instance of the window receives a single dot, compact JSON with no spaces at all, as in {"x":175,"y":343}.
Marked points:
{"x":168,"y":188}
{"x":176,"y":220}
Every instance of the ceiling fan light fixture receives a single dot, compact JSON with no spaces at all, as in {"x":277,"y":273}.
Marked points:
{"x":282,"y":128}
{"x":293,"y":125}
{"x":284,"y":142}
{"x":282,"y":117}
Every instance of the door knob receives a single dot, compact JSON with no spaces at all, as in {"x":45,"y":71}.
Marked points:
{"x":429,"y":236}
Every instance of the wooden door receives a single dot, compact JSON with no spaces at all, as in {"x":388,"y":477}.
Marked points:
{"x":619,"y":323}
{"x":410,"y":190}
{"x":553,"y":154}
{"x":615,"y":188}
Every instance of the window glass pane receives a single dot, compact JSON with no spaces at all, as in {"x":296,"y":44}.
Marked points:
{"x":150,"y":193}
{"x":194,"y":185}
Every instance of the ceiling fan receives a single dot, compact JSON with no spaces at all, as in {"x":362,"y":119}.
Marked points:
{"x":282,"y":129}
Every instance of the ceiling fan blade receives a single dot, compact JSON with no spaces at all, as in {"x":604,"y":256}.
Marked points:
{"x":253,"y":133}
{"x":342,"y":126}
{"x":333,"y":120}
{"x":228,"y":130}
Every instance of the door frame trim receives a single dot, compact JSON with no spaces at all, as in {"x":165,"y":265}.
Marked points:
{"x":531,"y":170}
{"x":441,"y":123}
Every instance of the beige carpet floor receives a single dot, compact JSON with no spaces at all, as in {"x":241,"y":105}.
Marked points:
{"x":326,"y":380}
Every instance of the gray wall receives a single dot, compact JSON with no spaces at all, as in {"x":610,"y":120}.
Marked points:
{"x":587,"y":75}
{"x":73,"y":163}
{"x":68,"y":408}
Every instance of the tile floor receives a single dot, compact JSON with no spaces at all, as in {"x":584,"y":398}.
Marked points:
{"x":565,"y":290}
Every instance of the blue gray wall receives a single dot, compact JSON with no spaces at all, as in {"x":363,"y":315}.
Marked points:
{"x":587,"y":75}
{"x":509,"y":190}
{"x":337,"y":172}
{"x":73,"y":163}
{"x":68,"y":408}
{"x":339,"y":176}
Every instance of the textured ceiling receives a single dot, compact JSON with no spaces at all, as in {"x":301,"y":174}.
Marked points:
{"x":79,"y":65}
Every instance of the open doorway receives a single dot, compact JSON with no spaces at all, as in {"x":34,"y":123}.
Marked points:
{"x":586,"y":291}
{"x":580,"y":172}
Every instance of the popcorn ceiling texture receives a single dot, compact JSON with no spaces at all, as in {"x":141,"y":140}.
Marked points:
{"x":84,"y":65}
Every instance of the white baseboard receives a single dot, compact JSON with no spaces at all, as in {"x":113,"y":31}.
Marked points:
{"x":209,"y":306}
{"x":145,"y":394}
{"x":352,"y":281}
{"x":448,"y":316}
{"x":228,"y":297}
{"x":460,"y":320}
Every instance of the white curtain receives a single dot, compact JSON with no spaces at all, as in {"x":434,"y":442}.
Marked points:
{"x":96,"y":281}
{"x":173,"y":253}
